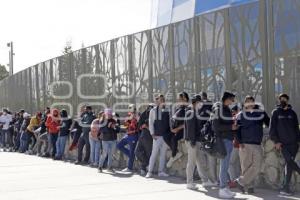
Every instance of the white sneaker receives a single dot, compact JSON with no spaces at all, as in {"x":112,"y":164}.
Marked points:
{"x":225,"y":194}
{"x":126,"y":170}
{"x":149,"y":175}
{"x":163,"y":174}
{"x":230,"y":192}
{"x":173,"y":159}
{"x":191,"y":186}
{"x":209,"y":184}
{"x":143,"y":172}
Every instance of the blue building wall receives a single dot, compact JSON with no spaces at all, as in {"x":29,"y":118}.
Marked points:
{"x":169,"y":11}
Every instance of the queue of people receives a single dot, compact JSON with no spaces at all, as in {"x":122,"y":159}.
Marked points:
{"x":211,"y":131}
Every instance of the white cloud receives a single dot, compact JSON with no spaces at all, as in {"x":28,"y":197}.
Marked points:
{"x":40,"y":28}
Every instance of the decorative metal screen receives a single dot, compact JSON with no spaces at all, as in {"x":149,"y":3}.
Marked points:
{"x":251,"y":49}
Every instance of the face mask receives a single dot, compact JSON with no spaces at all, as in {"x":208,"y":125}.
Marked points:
{"x":231,"y":106}
{"x":283,"y":104}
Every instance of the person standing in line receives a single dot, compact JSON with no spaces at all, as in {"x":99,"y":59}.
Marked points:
{"x":5,"y":120}
{"x":29,"y":133}
{"x":95,"y":141}
{"x":23,"y":137}
{"x":234,"y":164}
{"x":208,"y":163}
{"x":86,"y":121}
{"x":109,"y":130}
{"x":52,"y":124}
{"x":144,"y":145}
{"x":42,"y":139}
{"x":177,"y":126}
{"x":284,"y":131}
{"x":192,"y":136}
{"x":76,"y":129}
{"x":130,"y":139}
{"x":63,"y":135}
{"x":250,"y":134}
{"x":18,"y":124}
{"x":159,"y":126}
{"x":224,"y":127}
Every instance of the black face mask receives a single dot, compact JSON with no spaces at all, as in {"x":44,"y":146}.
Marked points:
{"x":283,"y":104}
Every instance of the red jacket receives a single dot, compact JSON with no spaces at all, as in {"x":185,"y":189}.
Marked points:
{"x":53,"y":123}
{"x":131,"y":124}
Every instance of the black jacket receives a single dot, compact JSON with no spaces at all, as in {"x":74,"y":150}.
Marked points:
{"x":250,"y":125}
{"x":161,"y":122}
{"x":18,"y":123}
{"x":65,"y":127}
{"x":86,"y":120}
{"x":178,"y":118}
{"x":284,"y":127}
{"x":222,"y":121}
{"x":192,"y":125}
{"x":144,"y":118}
{"x":108,"y":133}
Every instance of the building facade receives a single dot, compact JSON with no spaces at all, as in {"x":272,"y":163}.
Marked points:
{"x":170,"y":11}
{"x":252,"y":48}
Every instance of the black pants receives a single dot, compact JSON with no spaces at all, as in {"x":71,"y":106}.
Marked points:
{"x":143,"y":150}
{"x":289,"y":153}
{"x":84,"y":141}
{"x":172,"y":141}
{"x":75,"y":136}
{"x":17,"y":140}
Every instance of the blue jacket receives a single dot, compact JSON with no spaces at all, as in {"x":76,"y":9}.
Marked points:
{"x":250,"y":125}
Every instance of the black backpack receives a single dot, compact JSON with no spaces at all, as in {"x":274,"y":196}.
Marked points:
{"x":210,"y":143}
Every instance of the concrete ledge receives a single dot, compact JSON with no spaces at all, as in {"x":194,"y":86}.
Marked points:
{"x":271,"y":175}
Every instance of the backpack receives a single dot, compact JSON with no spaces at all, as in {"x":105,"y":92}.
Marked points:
{"x":210,"y":143}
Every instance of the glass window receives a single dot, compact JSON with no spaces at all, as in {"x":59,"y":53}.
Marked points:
{"x":183,"y":9}
{"x":164,"y":12}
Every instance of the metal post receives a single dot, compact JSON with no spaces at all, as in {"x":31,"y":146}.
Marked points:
{"x":11,"y":58}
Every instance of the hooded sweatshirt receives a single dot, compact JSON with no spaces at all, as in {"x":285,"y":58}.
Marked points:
{"x":284,"y":127}
{"x":52,"y":123}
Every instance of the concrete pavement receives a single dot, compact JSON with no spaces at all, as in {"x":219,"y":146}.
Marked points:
{"x":24,"y":177}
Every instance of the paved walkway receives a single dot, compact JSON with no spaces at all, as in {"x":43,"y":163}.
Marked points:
{"x":24,"y":177}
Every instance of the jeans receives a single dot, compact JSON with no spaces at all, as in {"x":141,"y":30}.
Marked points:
{"x":159,"y":146}
{"x":109,"y":148}
{"x":25,"y":139}
{"x":52,"y":140}
{"x":131,"y":141}
{"x":6,"y":138}
{"x":18,"y":140}
{"x":60,"y":146}
{"x":224,"y":163}
{"x":95,"y":151}
{"x":235,"y":164}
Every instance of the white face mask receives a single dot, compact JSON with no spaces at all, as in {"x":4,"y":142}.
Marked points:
{"x":232,"y":106}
